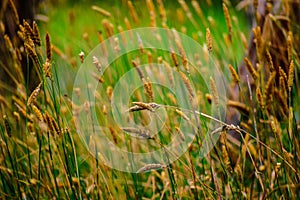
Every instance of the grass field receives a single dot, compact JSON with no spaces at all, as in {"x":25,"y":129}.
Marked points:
{"x":150,"y":100}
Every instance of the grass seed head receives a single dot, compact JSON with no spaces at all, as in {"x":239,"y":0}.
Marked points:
{"x":149,"y":167}
{"x":132,"y":13}
{"x":34,"y":94}
{"x":239,"y":106}
{"x":214,"y":90}
{"x":270,"y":61}
{"x":184,"y":116}
{"x":209,"y":40}
{"x":234,"y":74}
{"x":7,"y":126}
{"x":37,"y":112}
{"x":290,"y":45}
{"x":148,"y":89}
{"x":48,"y":47}
{"x":36,"y":34}
{"x":269,"y":86}
{"x":260,"y":98}
{"x":251,"y":69}
{"x":102,"y":11}
{"x":291,"y":75}
{"x":144,"y":133}
{"x":228,"y":22}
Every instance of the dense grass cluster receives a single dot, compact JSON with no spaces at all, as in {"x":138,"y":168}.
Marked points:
{"x":257,"y":153}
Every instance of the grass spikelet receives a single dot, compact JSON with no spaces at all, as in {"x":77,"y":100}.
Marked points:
{"x":172,"y":98}
{"x":113,"y":134}
{"x":127,"y":23}
{"x":199,"y":12}
{"x":37,"y":112}
{"x":136,"y":108}
{"x":270,"y":61}
{"x":47,"y":69}
{"x":7,"y":126}
{"x":148,"y":88}
{"x":132,"y":12}
{"x":8,"y":43}
{"x":150,"y":58}
{"x":108,"y":28}
{"x":34,"y":94}
{"x":228,"y":22}
{"x":183,"y":56}
{"x":27,"y":30}
{"x":32,"y":53}
{"x":234,"y":74}
{"x":18,"y":102}
{"x":141,"y":46}
{"x":188,"y":85}
{"x":251,"y":69}
{"x":240,"y":106}
{"x":187,"y":11}
{"x":97,"y":64}
{"x":269,"y":86}
{"x":214,"y":90}
{"x":180,"y":133}
{"x":209,"y":3}
{"x":139,"y":71}
{"x":109,"y":92}
{"x":258,"y":41}
{"x":208,"y":40}
{"x":58,"y":51}
{"x":226,"y":159}
{"x":151,"y":8}
{"x":81,"y":56}
{"x":260,"y":98}
{"x":244,"y":40}
{"x":144,"y":133}
{"x":100,"y":37}
{"x":162,"y":11}
{"x":104,"y":110}
{"x":282,"y":74}
{"x":2,"y":27}
{"x":36,"y":34}
{"x":290,"y":45}
{"x":179,"y":112}
{"x":23,"y":112}
{"x":51,"y":123}
{"x":246,"y":126}
{"x":282,"y":87}
{"x":14,"y":11}
{"x":48,"y":47}
{"x":275,"y":126}
{"x":291,"y":75}
{"x":146,"y":106}
{"x":102,"y":11}
{"x":117,"y":45}
{"x":17,"y":116}
{"x":174,"y":59}
{"x":30,"y":127}
{"x":208,"y":98}
{"x":149,"y":167}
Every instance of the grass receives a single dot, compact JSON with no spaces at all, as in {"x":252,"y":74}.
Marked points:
{"x":169,"y":91}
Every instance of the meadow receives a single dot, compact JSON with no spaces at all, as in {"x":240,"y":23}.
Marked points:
{"x":150,"y":99}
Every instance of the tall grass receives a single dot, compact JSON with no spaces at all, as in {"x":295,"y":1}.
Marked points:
{"x":256,"y":156}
